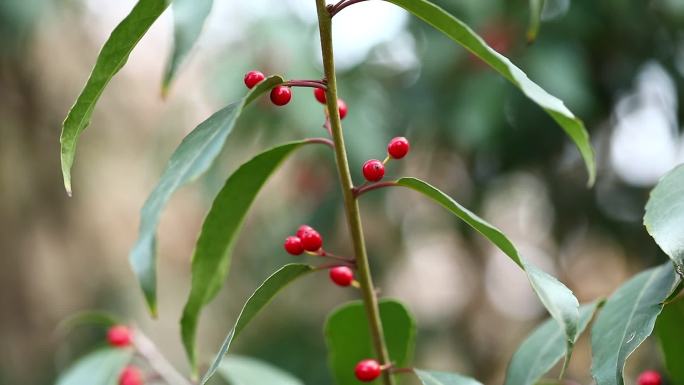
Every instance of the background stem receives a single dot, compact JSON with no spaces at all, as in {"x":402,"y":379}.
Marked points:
{"x":350,"y":203}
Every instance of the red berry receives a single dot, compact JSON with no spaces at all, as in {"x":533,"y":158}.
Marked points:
{"x":131,"y":376}
{"x":119,"y":336}
{"x":319,"y":94}
{"x":311,"y":240}
{"x":342,"y":106}
{"x":398,"y":147}
{"x":650,"y":377}
{"x":367,"y":370}
{"x":302,"y":229}
{"x":342,"y":276}
{"x":252,"y":78}
{"x":281,"y":95}
{"x":293,"y":245}
{"x":373,"y":170}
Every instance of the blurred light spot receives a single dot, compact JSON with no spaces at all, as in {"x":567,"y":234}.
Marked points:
{"x":644,"y":140}
{"x":554,"y":9}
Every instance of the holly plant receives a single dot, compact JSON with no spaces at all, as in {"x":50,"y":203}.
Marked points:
{"x":370,"y":340}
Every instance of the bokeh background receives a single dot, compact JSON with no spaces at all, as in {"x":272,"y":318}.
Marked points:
{"x":617,"y":64}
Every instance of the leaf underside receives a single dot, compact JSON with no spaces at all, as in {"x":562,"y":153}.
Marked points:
{"x":101,"y":367}
{"x":459,"y":32}
{"x":192,"y":158}
{"x":627,"y":319}
{"x":238,"y":370}
{"x":443,"y":378}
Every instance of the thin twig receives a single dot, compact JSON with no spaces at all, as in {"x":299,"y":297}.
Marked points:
{"x":148,"y":350}
{"x":325,"y":141}
{"x":342,"y":5}
{"x":306,"y":83}
{"x":358,"y":191}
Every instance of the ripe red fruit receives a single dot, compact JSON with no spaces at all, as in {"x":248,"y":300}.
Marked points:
{"x":373,"y":170}
{"x":311,"y":240}
{"x":367,"y":370}
{"x":398,"y":147}
{"x":342,"y":276}
{"x":252,"y":78}
{"x":294,"y":246}
{"x":281,"y":95}
{"x":119,"y":336}
{"x":342,"y":106}
{"x":131,"y":376}
{"x":319,"y":94}
{"x":302,"y":229}
{"x":650,"y":377}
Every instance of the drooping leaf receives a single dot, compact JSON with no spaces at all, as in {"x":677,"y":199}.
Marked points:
{"x":670,"y":332}
{"x":664,"y":218}
{"x":261,"y":297}
{"x":101,"y":367}
{"x":349,"y":341}
{"x":465,"y":36}
{"x":556,"y":297}
{"x":542,"y":349}
{"x":212,"y":256}
{"x":188,"y":20}
{"x":239,"y":370}
{"x":536,"y":8}
{"x":627,"y":319}
{"x":444,"y":378}
{"x":192,"y":158}
{"x":111,"y":59}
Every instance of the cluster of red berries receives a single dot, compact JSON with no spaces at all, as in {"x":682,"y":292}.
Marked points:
{"x":397,"y":148}
{"x":281,"y":95}
{"x":367,"y":370}
{"x":120,"y":336}
{"x":308,"y":239}
{"x":650,"y":377}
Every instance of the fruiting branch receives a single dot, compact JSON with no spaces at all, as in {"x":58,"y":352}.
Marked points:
{"x":351,"y":205}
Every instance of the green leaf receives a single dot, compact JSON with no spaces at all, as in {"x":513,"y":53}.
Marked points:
{"x":671,"y":334}
{"x":191,"y":159}
{"x":444,"y":378}
{"x":463,"y":35}
{"x":542,"y":349}
{"x":249,"y":371}
{"x":536,"y":8}
{"x":111,"y":59}
{"x":212,"y":256}
{"x":664,"y":218}
{"x":349,"y":341}
{"x":101,"y":367}
{"x":556,"y":297}
{"x":188,"y":20}
{"x":261,"y":297}
{"x":626,"y":320}
{"x":83,"y":318}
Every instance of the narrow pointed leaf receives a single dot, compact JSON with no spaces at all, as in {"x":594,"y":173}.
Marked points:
{"x":111,"y":59}
{"x":188,"y":20}
{"x":670,"y":331}
{"x":536,"y":8}
{"x":192,"y":158}
{"x":459,"y":32}
{"x":349,"y":341}
{"x":249,"y":371}
{"x":542,"y":349}
{"x":556,"y":297}
{"x":664,"y":218}
{"x":443,"y":378}
{"x":261,"y":297}
{"x":98,"y":368}
{"x":627,"y":319}
{"x":212,"y":256}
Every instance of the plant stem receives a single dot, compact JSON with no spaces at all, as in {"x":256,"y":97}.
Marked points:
{"x":146,"y":348}
{"x":350,"y":203}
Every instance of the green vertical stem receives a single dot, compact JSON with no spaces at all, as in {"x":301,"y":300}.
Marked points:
{"x":350,"y":203}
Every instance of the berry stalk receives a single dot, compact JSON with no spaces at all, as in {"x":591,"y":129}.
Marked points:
{"x":350,"y":203}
